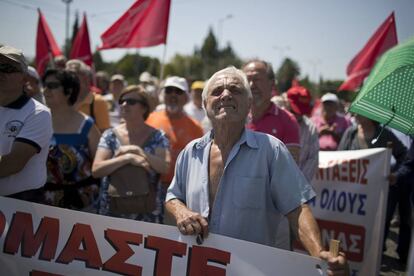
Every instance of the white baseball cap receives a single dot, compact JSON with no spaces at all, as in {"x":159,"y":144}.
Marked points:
{"x":329,"y":97}
{"x":145,"y":77}
{"x":177,"y":82}
{"x":31,"y":71}
{"x":117,"y":77}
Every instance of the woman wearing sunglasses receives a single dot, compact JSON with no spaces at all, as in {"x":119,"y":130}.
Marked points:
{"x":75,"y":138}
{"x":133,"y":142}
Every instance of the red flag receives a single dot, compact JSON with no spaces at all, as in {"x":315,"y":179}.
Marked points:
{"x":81,"y":47}
{"x":46,"y":45}
{"x":144,"y":24}
{"x":360,"y":66}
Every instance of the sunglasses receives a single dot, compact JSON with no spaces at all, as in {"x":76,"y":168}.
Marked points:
{"x":52,"y":85}
{"x":169,"y":90}
{"x":132,"y":102}
{"x":7,"y":68}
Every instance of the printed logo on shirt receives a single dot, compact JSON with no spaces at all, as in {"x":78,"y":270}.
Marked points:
{"x":13,"y":128}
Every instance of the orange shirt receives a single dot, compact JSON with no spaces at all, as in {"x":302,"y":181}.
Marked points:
{"x":100,"y":110}
{"x":179,"y":131}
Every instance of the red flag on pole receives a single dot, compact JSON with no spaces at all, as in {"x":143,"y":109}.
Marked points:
{"x":144,"y":24}
{"x":81,"y":47}
{"x":360,"y":66}
{"x":46,"y":46}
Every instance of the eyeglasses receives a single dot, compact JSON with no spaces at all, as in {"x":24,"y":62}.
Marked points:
{"x":132,"y":102}
{"x":7,"y":68}
{"x":169,"y":90}
{"x":52,"y":85}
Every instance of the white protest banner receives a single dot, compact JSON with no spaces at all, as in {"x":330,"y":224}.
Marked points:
{"x":39,"y":240}
{"x":350,"y":206}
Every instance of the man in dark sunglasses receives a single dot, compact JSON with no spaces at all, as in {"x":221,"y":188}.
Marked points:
{"x":25,"y":131}
{"x":175,"y":95}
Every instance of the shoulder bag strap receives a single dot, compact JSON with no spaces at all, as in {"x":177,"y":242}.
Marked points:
{"x":92,"y":108}
{"x":118,"y":136}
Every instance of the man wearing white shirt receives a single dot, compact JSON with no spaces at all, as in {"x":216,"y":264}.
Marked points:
{"x":194,"y":108}
{"x":25,"y":133}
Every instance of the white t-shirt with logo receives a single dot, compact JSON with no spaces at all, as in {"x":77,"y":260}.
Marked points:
{"x":27,"y":122}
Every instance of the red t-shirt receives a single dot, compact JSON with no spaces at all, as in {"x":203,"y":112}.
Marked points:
{"x":328,"y":142}
{"x":279,"y":123}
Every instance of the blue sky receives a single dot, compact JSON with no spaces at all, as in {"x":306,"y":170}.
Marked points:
{"x":321,"y":35}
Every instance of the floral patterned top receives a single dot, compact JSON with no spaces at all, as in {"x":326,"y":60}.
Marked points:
{"x":110,"y":141}
{"x":69,"y":170}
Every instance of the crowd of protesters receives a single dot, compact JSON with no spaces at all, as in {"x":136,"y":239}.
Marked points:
{"x":98,"y":124}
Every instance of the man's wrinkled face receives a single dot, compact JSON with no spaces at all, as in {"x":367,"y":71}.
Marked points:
{"x":259,"y":82}
{"x":227,"y":100}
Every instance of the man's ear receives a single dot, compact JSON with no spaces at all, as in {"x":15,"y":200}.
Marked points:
{"x":25,"y":77}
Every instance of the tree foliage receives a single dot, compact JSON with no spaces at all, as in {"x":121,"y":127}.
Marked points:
{"x":213,"y":58}
{"x":288,"y":71}
{"x":186,"y":66}
{"x":130,"y":65}
{"x":209,"y":51}
{"x":204,"y":61}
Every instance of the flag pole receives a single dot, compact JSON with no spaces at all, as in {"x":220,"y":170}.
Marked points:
{"x":52,"y":60}
{"x":136,"y":68}
{"x":163,"y":62}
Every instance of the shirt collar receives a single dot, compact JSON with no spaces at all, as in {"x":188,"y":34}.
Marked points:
{"x":249,"y":138}
{"x":19,"y":102}
{"x":246,"y":137}
{"x":273,"y":109}
{"x":205,"y":140}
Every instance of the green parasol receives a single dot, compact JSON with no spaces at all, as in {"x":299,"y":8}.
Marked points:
{"x":388,"y":94}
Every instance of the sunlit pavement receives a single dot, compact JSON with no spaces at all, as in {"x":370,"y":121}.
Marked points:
{"x":390,"y":264}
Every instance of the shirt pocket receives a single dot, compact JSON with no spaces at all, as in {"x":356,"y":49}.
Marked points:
{"x":249,"y":192}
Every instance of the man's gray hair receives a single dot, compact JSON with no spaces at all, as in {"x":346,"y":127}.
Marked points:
{"x":268,"y":67}
{"x":78,"y":66}
{"x":231,"y":70}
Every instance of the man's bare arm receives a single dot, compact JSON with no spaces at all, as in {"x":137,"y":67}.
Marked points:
{"x":306,"y":229}
{"x":15,"y":161}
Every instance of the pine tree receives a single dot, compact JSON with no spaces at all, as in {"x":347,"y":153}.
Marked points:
{"x":286,"y":73}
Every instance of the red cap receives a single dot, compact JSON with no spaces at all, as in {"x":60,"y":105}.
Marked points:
{"x":299,"y":99}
